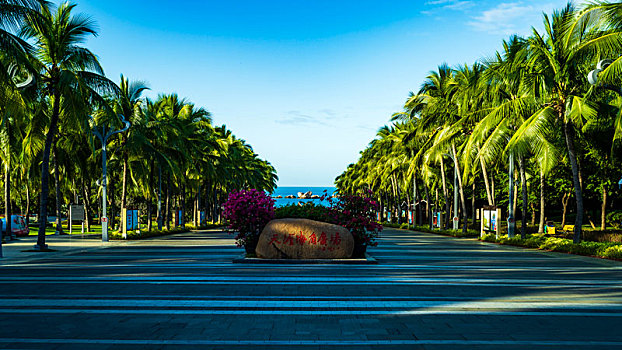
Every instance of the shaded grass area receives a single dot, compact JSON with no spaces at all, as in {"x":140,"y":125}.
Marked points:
{"x":608,"y":250}
{"x":452,"y":233}
{"x":142,"y":234}
{"x":76,"y":230}
{"x":601,"y":249}
{"x":133,"y":235}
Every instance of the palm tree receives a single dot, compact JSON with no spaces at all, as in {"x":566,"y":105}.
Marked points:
{"x":128,"y":104}
{"x":70,"y":75}
{"x":558,"y":64}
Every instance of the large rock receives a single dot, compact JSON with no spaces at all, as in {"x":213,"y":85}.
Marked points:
{"x":304,"y":239}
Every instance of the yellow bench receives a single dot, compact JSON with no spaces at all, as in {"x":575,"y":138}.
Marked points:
{"x":568,"y":228}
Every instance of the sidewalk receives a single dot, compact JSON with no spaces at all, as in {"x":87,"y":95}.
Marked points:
{"x":20,"y":250}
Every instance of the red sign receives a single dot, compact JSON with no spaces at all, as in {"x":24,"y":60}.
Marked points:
{"x":323,"y":241}
{"x":104,"y":219}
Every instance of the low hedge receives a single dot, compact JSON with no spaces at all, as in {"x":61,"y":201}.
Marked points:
{"x":606,"y":250}
{"x":308,"y":211}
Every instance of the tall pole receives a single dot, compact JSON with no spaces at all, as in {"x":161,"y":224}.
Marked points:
{"x":103,"y":137}
{"x":511,"y":220}
{"x":455,"y":218}
{"x":104,"y":188}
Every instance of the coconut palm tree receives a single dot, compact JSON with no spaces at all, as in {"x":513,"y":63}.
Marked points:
{"x":128,"y":104}
{"x":70,"y":77}
{"x":558,"y":65}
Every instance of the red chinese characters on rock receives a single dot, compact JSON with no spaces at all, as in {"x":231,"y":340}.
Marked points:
{"x":304,"y":239}
{"x":323,"y":241}
{"x":300,"y":238}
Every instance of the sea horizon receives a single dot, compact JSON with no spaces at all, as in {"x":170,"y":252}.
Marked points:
{"x":293,"y":190}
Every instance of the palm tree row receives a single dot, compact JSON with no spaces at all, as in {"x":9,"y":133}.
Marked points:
{"x":53,"y":93}
{"x":526,"y":116}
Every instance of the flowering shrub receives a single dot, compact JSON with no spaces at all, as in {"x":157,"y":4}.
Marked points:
{"x":357,"y":214}
{"x":247,"y":212}
{"x":354,"y":212}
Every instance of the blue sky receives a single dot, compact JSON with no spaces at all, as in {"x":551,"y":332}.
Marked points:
{"x":306,"y":83}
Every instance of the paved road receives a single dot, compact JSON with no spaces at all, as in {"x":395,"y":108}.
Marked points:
{"x":427,"y":292}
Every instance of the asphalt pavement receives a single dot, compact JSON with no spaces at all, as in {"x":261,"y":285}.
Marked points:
{"x":426,"y":292}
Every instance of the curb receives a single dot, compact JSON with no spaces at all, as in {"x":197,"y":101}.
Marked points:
{"x":369,"y":260}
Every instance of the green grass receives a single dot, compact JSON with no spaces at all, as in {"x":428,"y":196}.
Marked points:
{"x":541,"y":241}
{"x":453,"y":233}
{"x":97,"y":229}
{"x":607,"y":250}
{"x":77,"y":230}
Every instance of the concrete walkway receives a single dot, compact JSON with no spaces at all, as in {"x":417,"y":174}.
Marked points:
{"x":20,"y":249}
{"x":427,"y":292}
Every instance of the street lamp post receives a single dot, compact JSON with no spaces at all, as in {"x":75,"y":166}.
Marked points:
{"x":103,"y":137}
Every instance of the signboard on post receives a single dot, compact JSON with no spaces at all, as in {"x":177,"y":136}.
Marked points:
{"x":202,"y":218}
{"x":437,"y":220}
{"x":130,"y":221}
{"x":490,"y":220}
{"x":177,"y":218}
{"x":76,"y":213}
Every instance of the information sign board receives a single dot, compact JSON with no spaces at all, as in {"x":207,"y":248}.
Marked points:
{"x":77,"y":212}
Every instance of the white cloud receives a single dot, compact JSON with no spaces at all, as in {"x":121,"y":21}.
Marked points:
{"x":322,"y":117}
{"x":503,"y":19}
{"x":515,"y":17}
{"x":457,"y":5}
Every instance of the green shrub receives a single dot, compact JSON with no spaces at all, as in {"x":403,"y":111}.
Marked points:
{"x":612,"y":252}
{"x":489,"y":238}
{"x":308,"y":211}
{"x":614,"y":218}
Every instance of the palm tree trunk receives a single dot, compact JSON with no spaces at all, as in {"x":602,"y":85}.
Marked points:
{"x":533,"y":214}
{"x":492,"y":189}
{"x":569,"y":133}
{"x":486,"y":184}
{"x":168,"y":202}
{"x":465,"y":216}
{"x":160,"y":216}
{"x":206,"y":203}
{"x":473,"y":205}
{"x":59,"y":227}
{"x":603,"y":208}
{"x":565,"y":200}
{"x":149,"y":210}
{"x":7,"y":195}
{"x":427,"y":205}
{"x":445,"y":194}
{"x":523,"y":181}
{"x":182,"y":219}
{"x":214,"y":220}
{"x":87,"y":207}
{"x":45,"y":172}
{"x":27,"y":211}
{"x":124,"y":185}
{"x":541,"y":223}
{"x":149,"y":197}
